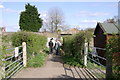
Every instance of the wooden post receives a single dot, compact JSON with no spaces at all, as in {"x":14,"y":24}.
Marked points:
{"x":85,"y":54}
{"x":109,"y":66}
{"x":24,"y":54}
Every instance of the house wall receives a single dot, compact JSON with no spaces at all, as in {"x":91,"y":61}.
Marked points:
{"x":100,"y":38}
{"x":100,"y":41}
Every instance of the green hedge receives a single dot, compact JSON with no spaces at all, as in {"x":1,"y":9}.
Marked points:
{"x":34,"y":42}
{"x":113,"y":54}
{"x":73,"y":47}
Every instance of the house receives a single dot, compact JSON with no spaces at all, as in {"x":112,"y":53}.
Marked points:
{"x":2,"y":29}
{"x":70,"y":31}
{"x":102,"y":33}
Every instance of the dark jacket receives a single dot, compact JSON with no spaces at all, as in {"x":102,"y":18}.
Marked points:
{"x":51,"y":44}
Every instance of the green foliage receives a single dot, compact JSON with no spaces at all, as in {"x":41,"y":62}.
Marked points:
{"x":29,"y":19}
{"x":73,"y":47}
{"x":6,"y":38}
{"x":6,"y":41}
{"x":89,"y":34}
{"x":93,"y":65}
{"x":72,"y":61}
{"x":6,"y":44}
{"x":113,"y":44}
{"x":34,"y":42}
{"x":113,"y":54}
{"x":37,"y":61}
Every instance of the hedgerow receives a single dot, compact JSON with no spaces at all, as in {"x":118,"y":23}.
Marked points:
{"x":113,"y":54}
{"x":73,"y":47}
{"x":34,"y":42}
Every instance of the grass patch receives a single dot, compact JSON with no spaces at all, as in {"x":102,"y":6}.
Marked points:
{"x":72,"y":61}
{"x":37,"y":61}
{"x":93,"y":65}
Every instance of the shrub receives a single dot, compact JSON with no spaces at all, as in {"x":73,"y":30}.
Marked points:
{"x":113,"y":52}
{"x":73,"y":47}
{"x":34,"y":42}
{"x":6,"y":38}
{"x":6,"y":41}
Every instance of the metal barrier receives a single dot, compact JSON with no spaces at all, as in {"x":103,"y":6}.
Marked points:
{"x":95,"y":63}
{"x":14,"y":61}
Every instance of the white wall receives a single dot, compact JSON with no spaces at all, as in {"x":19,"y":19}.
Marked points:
{"x":48,"y":39}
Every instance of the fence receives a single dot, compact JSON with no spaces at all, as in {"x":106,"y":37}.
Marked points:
{"x":14,"y":60}
{"x":95,"y":64}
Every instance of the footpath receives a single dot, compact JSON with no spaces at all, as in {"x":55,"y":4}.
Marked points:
{"x":54,"y":68}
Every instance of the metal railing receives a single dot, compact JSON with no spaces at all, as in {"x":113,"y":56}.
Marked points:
{"x":95,"y":63}
{"x":13,"y":62}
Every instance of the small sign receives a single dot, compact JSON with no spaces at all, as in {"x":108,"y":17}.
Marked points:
{"x":16,"y":51}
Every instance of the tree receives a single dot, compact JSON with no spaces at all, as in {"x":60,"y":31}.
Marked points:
{"x":112,"y":20}
{"x":29,"y":19}
{"x":55,"y":19}
{"x":89,"y":36}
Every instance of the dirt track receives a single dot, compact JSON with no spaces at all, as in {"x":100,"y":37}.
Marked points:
{"x":54,"y":68}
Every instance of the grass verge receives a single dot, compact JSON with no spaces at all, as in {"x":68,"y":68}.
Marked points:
{"x":37,"y":61}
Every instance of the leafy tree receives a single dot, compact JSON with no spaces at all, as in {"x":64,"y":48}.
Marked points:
{"x":29,"y":19}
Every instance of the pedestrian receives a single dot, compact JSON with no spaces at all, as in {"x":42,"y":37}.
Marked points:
{"x":57,"y":46}
{"x":51,"y":46}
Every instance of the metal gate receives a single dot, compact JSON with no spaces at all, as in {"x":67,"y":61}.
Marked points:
{"x":95,"y":64}
{"x":13,"y":61}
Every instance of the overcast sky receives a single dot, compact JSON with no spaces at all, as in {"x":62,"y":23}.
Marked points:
{"x":76,"y":14}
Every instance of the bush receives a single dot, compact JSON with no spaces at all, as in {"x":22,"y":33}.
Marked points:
{"x":34,"y":42}
{"x":73,"y":47}
{"x":6,"y":38}
{"x":6,"y":41}
{"x":113,"y":52}
{"x":72,"y":61}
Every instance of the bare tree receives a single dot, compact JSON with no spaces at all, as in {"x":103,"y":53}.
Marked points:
{"x":55,"y":19}
{"x":112,"y":20}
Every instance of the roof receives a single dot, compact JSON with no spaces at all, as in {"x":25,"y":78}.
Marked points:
{"x":70,"y":31}
{"x":108,"y":28}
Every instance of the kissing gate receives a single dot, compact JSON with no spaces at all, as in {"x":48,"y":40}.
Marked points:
{"x":14,"y":61}
{"x":94,"y":62}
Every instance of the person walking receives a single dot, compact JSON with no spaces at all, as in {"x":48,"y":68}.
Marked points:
{"x":57,"y":46}
{"x":51,"y":46}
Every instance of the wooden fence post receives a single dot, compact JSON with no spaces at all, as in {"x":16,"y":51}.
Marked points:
{"x":85,"y":54}
{"x":24,"y":54}
{"x":109,"y":66}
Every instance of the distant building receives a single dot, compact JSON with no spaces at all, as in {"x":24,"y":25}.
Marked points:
{"x":2,"y":29}
{"x":70,"y":31}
